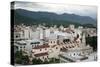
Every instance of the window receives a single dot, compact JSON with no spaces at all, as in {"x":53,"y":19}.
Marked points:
{"x":31,"y":43}
{"x":40,"y":49}
{"x":74,"y":54}
{"x":24,"y":46}
{"x":47,"y":56}
{"x":16,"y":36}
{"x":54,"y":41}
{"x":56,"y":47}
{"x":20,"y":47}
{"x":51,"y":41}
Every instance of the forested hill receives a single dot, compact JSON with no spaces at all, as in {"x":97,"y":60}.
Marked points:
{"x":30,"y":17}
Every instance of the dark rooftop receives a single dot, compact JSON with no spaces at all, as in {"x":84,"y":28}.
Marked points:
{"x":41,"y":46}
{"x":41,"y":54}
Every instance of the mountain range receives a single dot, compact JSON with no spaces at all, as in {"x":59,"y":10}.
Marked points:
{"x":32,"y":17}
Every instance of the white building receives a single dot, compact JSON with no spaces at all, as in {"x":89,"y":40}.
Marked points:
{"x":68,"y":44}
{"x":71,"y":27}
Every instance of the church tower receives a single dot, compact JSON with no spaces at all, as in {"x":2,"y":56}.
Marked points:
{"x":83,"y":39}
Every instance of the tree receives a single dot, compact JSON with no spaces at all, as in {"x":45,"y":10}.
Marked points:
{"x":46,"y":61}
{"x":54,"y":60}
{"x":25,"y":60}
{"x":20,"y":58}
{"x":92,"y":41}
{"x":37,"y":61}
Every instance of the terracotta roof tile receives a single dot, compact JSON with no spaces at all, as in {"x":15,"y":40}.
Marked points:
{"x":41,"y":54}
{"x":41,"y":46}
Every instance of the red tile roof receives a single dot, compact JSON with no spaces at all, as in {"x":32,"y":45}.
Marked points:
{"x":41,"y":54}
{"x":41,"y":46}
{"x":63,"y":49}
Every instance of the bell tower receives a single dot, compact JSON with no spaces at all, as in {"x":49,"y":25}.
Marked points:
{"x":83,"y":39}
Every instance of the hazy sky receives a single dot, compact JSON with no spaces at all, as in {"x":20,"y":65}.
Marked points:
{"x":58,"y":8}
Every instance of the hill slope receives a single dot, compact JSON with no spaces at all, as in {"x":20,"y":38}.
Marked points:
{"x":30,"y":17}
